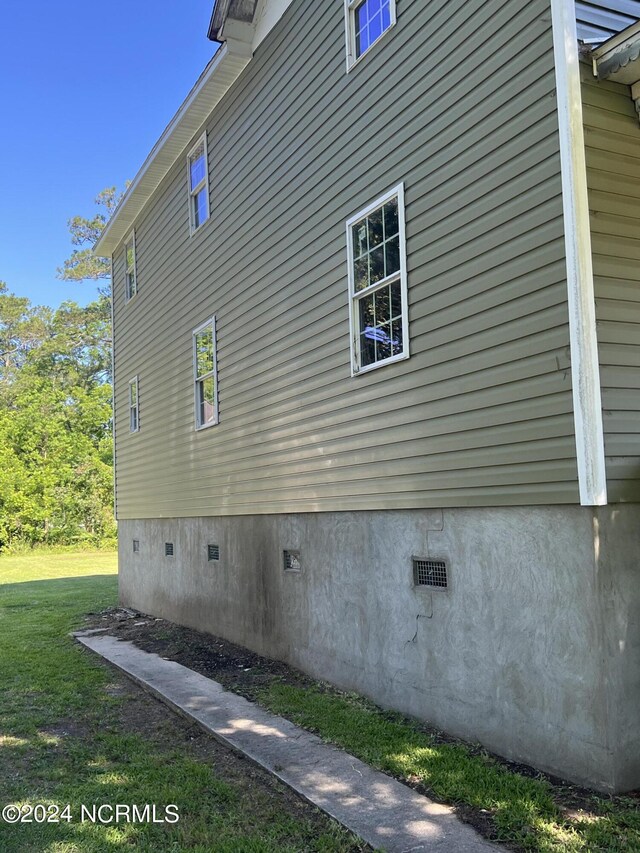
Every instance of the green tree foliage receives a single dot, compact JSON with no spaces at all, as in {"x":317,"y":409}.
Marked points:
{"x":83,"y":264}
{"x":21,"y":328}
{"x":55,"y":423}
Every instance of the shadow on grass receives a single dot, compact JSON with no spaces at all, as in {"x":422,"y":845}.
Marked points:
{"x":49,"y":585}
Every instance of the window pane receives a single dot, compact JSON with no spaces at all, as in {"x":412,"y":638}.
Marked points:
{"x":130,"y":257}
{"x":204,"y":352}
{"x":383,"y":342}
{"x":131,"y":284}
{"x":375,"y":28}
{"x":360,"y":244}
{"x":200,"y":212}
{"x":396,"y":299}
{"x":197,"y":166}
{"x":371,"y":19}
{"x":133,"y":394}
{"x":375,"y":229}
{"x":206,"y":401}
{"x":383,"y":305}
{"x":367,"y":349}
{"x":391,"y":226}
{"x":376,"y":265}
{"x":367,"y":312}
{"x":396,"y":337}
{"x":134,"y":420}
{"x":386,"y":16}
{"x":361,"y":273}
{"x":392,"y":255}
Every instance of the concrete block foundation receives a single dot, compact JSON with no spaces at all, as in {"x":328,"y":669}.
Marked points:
{"x":533,"y":649}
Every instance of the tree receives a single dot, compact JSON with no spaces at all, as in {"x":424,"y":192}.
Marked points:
{"x":83,"y":264}
{"x":22,"y":327}
{"x":55,"y":423}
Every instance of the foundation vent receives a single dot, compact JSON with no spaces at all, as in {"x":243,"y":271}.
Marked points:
{"x":168,"y":549}
{"x":292,"y":561}
{"x":213,"y":552}
{"x":136,"y":546}
{"x":431,"y":573}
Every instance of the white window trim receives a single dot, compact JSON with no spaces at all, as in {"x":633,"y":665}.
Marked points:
{"x":129,"y":296}
{"x":350,"y":7}
{"x":134,"y":383}
{"x":203,"y":183}
{"x":354,"y":326}
{"x":210,"y":323}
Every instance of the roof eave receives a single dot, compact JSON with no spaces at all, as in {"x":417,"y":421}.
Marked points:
{"x":218,"y":17}
{"x":219,"y":75}
{"x":618,"y":58}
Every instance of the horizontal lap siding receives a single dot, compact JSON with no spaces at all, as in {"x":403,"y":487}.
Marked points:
{"x":481,"y":412}
{"x":612,"y":138}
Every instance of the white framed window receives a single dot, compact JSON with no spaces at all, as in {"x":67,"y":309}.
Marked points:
{"x":134,"y":405}
{"x":130,"y":280}
{"x":366,"y":22}
{"x":205,"y":374}
{"x":198,"y":177}
{"x":376,"y":250}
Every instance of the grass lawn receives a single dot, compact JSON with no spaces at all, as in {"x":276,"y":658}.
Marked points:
{"x":72,"y":731}
{"x":530,"y":813}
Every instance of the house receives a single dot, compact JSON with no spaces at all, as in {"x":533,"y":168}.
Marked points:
{"x":376,"y":302}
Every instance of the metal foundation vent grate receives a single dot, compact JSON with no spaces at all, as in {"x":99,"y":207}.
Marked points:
{"x":292,"y":561}
{"x":168,"y":549}
{"x":136,"y":546}
{"x":431,"y":573}
{"x":213,"y":552}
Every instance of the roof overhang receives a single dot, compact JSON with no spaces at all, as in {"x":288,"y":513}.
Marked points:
{"x":214,"y":82}
{"x":233,"y":23}
{"x":241,"y":11}
{"x":618,"y":58}
{"x":240,"y":25}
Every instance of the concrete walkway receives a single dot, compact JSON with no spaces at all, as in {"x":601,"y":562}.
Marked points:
{"x":381,"y":811}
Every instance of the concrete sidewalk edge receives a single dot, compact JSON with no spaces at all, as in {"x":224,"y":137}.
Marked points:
{"x":382,"y":811}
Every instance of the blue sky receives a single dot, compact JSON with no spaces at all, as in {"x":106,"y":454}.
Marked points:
{"x":87,"y":88}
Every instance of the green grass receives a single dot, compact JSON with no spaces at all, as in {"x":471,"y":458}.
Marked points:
{"x":71,"y":731}
{"x":525,"y":811}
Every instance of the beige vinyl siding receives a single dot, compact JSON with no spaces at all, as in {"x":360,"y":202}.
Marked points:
{"x":612,"y":139}
{"x":481,"y":414}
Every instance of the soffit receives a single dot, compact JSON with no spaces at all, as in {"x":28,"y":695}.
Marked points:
{"x":618,"y":59}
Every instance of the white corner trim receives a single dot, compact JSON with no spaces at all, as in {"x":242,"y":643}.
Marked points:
{"x":585,"y":368}
{"x":113,"y":398}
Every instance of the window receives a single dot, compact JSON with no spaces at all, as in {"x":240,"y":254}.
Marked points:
{"x":134,"y":406}
{"x":130,"y":283}
{"x":378,"y":283}
{"x":198,"y":184}
{"x":205,"y":374}
{"x":367,"y":21}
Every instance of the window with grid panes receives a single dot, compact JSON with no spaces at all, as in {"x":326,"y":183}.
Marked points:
{"x":198,"y":185}
{"x":377,"y":280}
{"x":205,"y":369}
{"x":367,"y":21}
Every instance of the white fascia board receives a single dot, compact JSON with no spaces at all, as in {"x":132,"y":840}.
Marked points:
{"x":585,"y":368}
{"x":619,"y":58}
{"x":226,"y":66}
